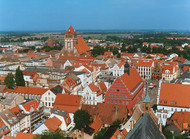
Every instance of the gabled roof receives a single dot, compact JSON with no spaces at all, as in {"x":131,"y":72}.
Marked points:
{"x":176,"y":95}
{"x":53,"y":124}
{"x":145,"y":128}
{"x":93,"y":87}
{"x":81,"y":46}
{"x":70,"y":31}
{"x":67,"y":103}
{"x":132,"y":80}
{"x":28,"y":90}
{"x":181,"y":120}
{"x":33,"y":104}
{"x":96,"y":124}
{"x":144,"y":63}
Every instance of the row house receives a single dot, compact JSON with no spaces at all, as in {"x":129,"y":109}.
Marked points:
{"x":118,"y":69}
{"x":172,"y":98}
{"x":91,"y":94}
{"x":58,"y":120}
{"x":170,"y":71}
{"x":29,"y":114}
{"x":11,"y":122}
{"x":72,"y":83}
{"x":157,"y":71}
{"x":144,"y":68}
{"x":30,"y":78}
{"x":4,"y":130}
{"x":45,"y":96}
{"x":126,"y":90}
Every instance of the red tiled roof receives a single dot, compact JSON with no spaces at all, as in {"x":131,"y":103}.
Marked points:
{"x":77,"y":58}
{"x":28,"y":90}
{"x":176,"y":95}
{"x":102,"y":86}
{"x":123,"y":134}
{"x":132,"y":80}
{"x":67,"y":103}
{"x":2,"y":124}
{"x":181,"y":119}
{"x":65,"y":99}
{"x":81,"y":46}
{"x":21,"y":135}
{"x":70,"y":31}
{"x":31,"y":104}
{"x":53,"y":124}
{"x":96,"y":124}
{"x":93,"y":87}
{"x":67,"y":119}
{"x":108,"y":113}
{"x":144,"y":63}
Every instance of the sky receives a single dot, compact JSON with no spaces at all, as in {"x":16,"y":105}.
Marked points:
{"x":58,"y":15}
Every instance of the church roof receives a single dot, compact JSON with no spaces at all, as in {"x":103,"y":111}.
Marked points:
{"x":145,"y":128}
{"x":70,"y":31}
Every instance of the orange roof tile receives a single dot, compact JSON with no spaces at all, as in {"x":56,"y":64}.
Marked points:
{"x":93,"y":87}
{"x":21,"y":135}
{"x":28,"y":90}
{"x":81,"y":46}
{"x":70,"y":31}
{"x":31,"y":104}
{"x":117,"y":132}
{"x":176,"y":95}
{"x":2,"y":125}
{"x":144,"y":63}
{"x":53,"y":124}
{"x":181,"y":119}
{"x":96,"y":124}
{"x":132,"y":80}
{"x":67,"y":103}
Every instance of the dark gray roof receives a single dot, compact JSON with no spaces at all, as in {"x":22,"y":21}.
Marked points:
{"x":145,"y":128}
{"x":57,"y":89}
{"x":58,"y":112}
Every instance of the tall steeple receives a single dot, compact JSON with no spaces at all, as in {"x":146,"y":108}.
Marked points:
{"x":127,"y":68}
{"x":146,"y":100}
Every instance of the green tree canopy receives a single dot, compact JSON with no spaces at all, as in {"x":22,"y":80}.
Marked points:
{"x":81,"y":119}
{"x":10,"y":81}
{"x":19,"y":78}
{"x":47,"y":134}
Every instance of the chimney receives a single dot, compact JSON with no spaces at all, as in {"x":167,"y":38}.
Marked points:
{"x":127,"y":68}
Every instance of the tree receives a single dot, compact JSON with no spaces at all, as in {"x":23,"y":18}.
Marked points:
{"x":47,"y":134}
{"x":10,"y":81}
{"x":81,"y":119}
{"x":19,"y":77}
{"x":101,"y":133}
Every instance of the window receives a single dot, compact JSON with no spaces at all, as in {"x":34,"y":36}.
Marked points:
{"x":118,"y":90}
{"x":52,"y":99}
{"x":115,"y":101}
{"x":45,"y":98}
{"x":46,"y":103}
{"x":119,"y":101}
{"x":127,"y":102}
{"x":123,"y":102}
{"x":49,"y":104}
{"x":108,"y":101}
{"x":111,"y":101}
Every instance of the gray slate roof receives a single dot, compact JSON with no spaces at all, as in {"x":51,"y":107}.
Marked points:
{"x":145,"y":128}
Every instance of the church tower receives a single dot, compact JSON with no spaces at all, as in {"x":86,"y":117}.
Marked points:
{"x":70,"y":39}
{"x":127,"y":68}
{"x":146,"y":100}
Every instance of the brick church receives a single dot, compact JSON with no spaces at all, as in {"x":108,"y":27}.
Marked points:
{"x":74,"y":45}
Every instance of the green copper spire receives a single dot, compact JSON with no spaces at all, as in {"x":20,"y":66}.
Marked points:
{"x":146,"y":98}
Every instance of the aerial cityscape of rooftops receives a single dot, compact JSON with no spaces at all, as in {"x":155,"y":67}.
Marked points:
{"x":94,"y":84}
